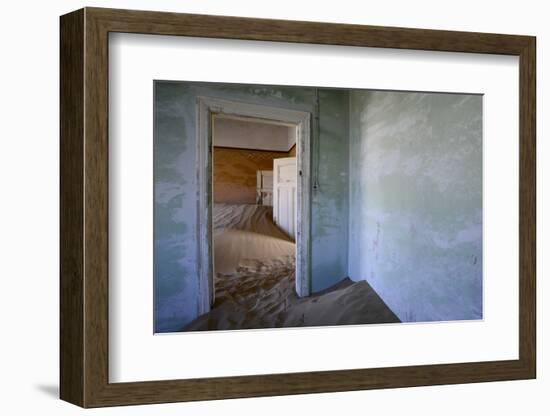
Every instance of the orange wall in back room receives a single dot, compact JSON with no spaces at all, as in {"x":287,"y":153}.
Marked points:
{"x":292,"y":151}
{"x":235,"y":172}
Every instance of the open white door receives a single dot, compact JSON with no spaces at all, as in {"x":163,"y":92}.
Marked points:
{"x":284,"y":194}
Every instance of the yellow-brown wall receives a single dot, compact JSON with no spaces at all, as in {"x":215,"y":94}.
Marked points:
{"x":292,"y":151}
{"x":235,"y":173}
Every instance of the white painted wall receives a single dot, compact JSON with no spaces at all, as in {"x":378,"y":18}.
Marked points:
{"x":241,"y":134}
{"x":29,"y":220}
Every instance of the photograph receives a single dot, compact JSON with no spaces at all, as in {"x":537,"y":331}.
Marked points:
{"x":259,"y":203}
{"x":297,"y":206}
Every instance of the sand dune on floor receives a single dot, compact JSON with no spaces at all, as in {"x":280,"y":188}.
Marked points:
{"x":346,"y":303}
{"x":252,"y":218}
{"x":246,"y":233}
{"x":262,"y":295}
{"x":233,"y":247}
{"x":255,"y":281}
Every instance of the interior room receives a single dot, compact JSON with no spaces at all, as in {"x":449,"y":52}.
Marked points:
{"x":395,"y":209}
{"x":254,"y":217}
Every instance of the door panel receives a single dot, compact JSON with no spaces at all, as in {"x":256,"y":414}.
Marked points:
{"x":284,"y":194}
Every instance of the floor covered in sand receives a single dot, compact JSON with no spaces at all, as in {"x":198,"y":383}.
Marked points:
{"x":254,"y":264}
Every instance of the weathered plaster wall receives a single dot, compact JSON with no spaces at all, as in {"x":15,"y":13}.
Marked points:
{"x":416,"y":202}
{"x":175,"y":210}
{"x":330,"y":200}
{"x":235,"y":173}
{"x":175,"y":218}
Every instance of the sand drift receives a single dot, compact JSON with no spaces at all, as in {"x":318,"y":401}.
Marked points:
{"x":254,"y":264}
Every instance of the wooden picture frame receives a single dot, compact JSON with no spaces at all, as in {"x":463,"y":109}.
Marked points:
{"x":84,"y":207}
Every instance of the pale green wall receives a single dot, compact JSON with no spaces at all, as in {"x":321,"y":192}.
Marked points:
{"x":330,"y":200}
{"x":416,"y":202}
{"x":175,"y":218}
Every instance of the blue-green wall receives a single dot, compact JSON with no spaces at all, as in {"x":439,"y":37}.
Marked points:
{"x":330,"y":211}
{"x":175,"y":201}
{"x":416,"y":202}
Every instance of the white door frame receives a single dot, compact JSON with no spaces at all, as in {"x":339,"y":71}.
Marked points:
{"x":206,"y":108}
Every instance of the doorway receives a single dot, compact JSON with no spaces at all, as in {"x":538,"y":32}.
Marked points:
{"x":288,"y":196}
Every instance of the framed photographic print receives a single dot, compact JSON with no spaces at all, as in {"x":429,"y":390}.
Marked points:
{"x":255,"y":207}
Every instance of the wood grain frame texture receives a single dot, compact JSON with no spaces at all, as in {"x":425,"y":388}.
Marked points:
{"x":84,"y":207}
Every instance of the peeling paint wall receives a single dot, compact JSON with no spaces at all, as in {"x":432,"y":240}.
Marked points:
{"x":330,"y":201}
{"x":175,"y":211}
{"x":175,"y":202}
{"x":416,"y":202}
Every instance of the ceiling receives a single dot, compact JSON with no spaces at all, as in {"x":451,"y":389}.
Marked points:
{"x":249,"y":133}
